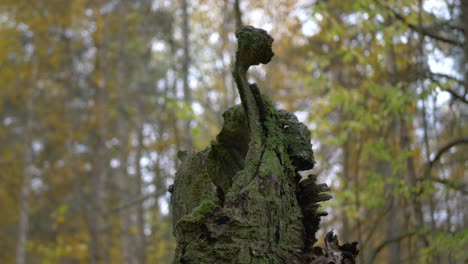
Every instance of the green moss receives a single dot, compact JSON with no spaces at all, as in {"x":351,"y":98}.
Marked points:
{"x":254,"y":46}
{"x":199,"y":213}
{"x":201,"y":183}
{"x":205,"y":208}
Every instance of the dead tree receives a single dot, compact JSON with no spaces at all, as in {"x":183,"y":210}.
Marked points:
{"x":242,"y":200}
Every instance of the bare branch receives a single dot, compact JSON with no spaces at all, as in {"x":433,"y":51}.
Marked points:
{"x":446,"y":76}
{"x":450,"y":26}
{"x":387,"y":242}
{"x":443,"y":149}
{"x":437,"y":157}
{"x":451,"y":184}
{"x":452,"y":92}
{"x":455,"y":95}
{"x":137,"y":200}
{"x":426,"y":32}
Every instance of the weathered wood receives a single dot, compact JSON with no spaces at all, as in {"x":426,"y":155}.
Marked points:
{"x":242,"y":199}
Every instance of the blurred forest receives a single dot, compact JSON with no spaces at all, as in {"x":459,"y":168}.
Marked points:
{"x":97,"y":97}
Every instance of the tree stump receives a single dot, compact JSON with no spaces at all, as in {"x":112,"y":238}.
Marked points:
{"x":242,"y":200}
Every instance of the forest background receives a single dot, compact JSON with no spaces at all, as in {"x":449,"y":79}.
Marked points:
{"x":97,"y":97}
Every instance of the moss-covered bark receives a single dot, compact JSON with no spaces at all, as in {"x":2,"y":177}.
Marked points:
{"x":241,"y":200}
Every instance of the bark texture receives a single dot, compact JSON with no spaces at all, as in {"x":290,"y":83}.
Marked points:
{"x":242,"y":200}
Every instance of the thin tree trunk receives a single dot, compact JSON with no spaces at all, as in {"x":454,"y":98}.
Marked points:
{"x":385,"y":167}
{"x":237,"y":13}
{"x":138,"y":192}
{"x":128,"y":245}
{"x":97,"y":175}
{"x":346,"y":180}
{"x":171,"y":88}
{"x":393,"y":225}
{"x":175,"y":124}
{"x":96,"y":180}
{"x":125,"y":192}
{"x":411,"y":177}
{"x":99,"y":159}
{"x":357,"y":200}
{"x":464,"y":18}
{"x":23,"y":225}
{"x":227,"y":89}
{"x":185,"y":72}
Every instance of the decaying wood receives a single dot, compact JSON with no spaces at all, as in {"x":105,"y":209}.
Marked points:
{"x":242,"y":200}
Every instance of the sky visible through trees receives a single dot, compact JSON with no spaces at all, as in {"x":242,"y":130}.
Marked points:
{"x":97,"y":97}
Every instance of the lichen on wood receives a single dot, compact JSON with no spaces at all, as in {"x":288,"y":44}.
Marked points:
{"x":242,"y":200}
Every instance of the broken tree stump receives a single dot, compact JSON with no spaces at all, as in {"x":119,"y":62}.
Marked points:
{"x":242,"y":200}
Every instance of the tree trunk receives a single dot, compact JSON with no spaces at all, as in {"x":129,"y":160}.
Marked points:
{"x":242,"y":199}
{"x":393,"y":226}
{"x":141,"y":250}
{"x":238,"y":13}
{"x":23,"y":225}
{"x":346,"y":180}
{"x":385,"y":169}
{"x":464,"y":17}
{"x":99,"y":161}
{"x":464,"y":22}
{"x":126,"y":185}
{"x":97,"y":175}
{"x":185,"y":73}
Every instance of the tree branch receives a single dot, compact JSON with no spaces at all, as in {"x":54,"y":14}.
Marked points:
{"x":455,"y":95}
{"x":450,"y":91}
{"x":443,"y":149}
{"x":387,"y":242}
{"x":137,"y":200}
{"x":454,"y":185}
{"x":426,"y":32}
{"x":443,"y":75}
{"x":437,"y":157}
{"x":447,"y":25}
